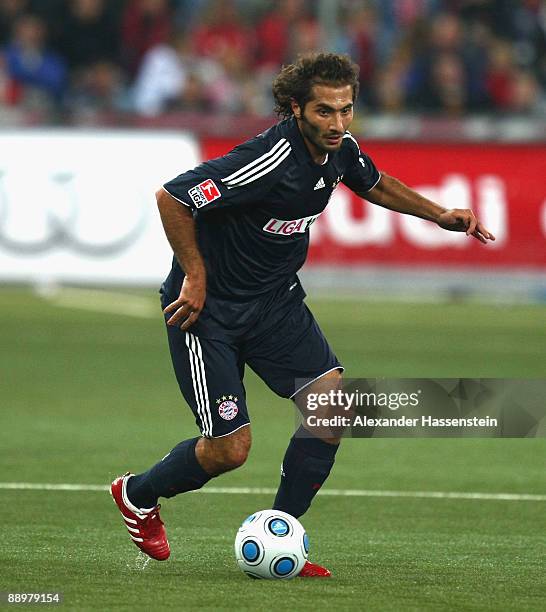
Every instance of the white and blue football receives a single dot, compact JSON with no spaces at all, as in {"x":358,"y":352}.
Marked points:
{"x":271,"y":544}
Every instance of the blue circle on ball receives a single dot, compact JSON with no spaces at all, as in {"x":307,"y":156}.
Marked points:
{"x":284,"y":566}
{"x":250,"y":551}
{"x":279,"y":527}
{"x":306,"y":542}
{"x":249,"y":519}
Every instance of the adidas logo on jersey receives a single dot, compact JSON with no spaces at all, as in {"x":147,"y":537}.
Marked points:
{"x":320,"y":184}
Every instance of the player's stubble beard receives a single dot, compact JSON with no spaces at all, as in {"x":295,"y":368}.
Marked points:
{"x":315,"y":136}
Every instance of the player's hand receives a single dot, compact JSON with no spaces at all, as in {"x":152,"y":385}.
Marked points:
{"x":187,"y":308}
{"x":464,"y":220}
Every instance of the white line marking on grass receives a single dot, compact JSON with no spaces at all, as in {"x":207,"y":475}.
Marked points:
{"x":37,"y":486}
{"x":123,"y":304}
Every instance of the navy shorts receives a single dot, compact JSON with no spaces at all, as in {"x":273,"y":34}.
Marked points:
{"x":210,"y":371}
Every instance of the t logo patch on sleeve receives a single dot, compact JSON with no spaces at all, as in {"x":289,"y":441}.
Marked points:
{"x":204,"y":193}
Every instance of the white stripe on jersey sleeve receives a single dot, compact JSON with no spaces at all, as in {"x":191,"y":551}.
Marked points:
{"x":265,"y":167}
{"x":248,"y":169}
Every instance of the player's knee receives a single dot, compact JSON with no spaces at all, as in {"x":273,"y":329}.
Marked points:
{"x":235,"y":457}
{"x":330,"y":380}
{"x":335,"y":376}
{"x":230,"y":452}
{"x":236,"y":452}
{"x":229,"y":459}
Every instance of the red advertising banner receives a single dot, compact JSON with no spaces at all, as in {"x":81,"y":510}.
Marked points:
{"x":505,"y":185}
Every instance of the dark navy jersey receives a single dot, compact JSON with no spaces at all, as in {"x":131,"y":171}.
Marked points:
{"x":253,"y":209}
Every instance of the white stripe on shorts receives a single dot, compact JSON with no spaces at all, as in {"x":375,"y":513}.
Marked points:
{"x":196,"y":379}
{"x":206,"y":406}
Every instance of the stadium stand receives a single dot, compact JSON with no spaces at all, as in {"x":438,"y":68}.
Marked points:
{"x":71,"y":61}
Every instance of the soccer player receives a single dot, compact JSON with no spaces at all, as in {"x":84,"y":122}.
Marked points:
{"x":239,"y":228}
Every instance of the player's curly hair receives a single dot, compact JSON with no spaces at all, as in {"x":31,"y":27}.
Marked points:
{"x":294,"y":82}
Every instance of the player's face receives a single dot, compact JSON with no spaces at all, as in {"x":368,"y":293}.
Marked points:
{"x":325,"y":118}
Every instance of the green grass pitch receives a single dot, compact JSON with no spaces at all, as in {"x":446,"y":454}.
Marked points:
{"x":86,"y":395}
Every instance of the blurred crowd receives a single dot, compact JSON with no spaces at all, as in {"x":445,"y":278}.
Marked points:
{"x":70,"y":58}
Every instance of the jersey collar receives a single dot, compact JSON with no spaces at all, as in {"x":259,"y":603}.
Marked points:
{"x":299,"y":149}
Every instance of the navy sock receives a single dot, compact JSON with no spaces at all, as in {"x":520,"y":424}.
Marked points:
{"x":305,"y":467}
{"x":176,"y":473}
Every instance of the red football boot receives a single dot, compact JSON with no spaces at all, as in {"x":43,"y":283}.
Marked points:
{"x":145,"y":527}
{"x":312,"y":570}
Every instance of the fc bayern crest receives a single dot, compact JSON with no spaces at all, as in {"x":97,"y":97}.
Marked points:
{"x":228,"y":410}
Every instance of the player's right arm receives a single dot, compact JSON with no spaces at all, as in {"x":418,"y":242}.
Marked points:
{"x":179,"y":227}
{"x":242,"y":176}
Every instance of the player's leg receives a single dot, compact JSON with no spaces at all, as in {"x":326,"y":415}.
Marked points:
{"x":189,"y":466}
{"x":209,"y":458}
{"x":296,"y":350}
{"x":310,"y":455}
{"x":294,"y":359}
{"x":209,"y":375}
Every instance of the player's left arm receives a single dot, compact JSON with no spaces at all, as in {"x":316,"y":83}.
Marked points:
{"x":391,"y":193}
